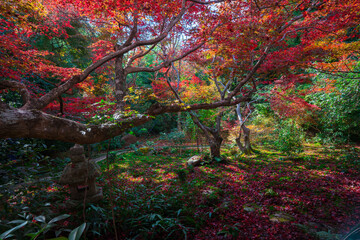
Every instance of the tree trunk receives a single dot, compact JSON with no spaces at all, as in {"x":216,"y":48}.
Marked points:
{"x":215,"y":146}
{"x":179,"y":127}
{"x":120,"y":84}
{"x":212,"y":135}
{"x":246,"y":147}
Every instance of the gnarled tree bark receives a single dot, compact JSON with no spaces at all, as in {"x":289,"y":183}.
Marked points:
{"x":33,"y":123}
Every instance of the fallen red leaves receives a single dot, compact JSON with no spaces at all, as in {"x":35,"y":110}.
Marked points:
{"x":247,"y":193}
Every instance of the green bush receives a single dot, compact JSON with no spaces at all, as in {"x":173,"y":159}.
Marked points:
{"x":289,"y":137}
{"x":338,"y":119}
{"x":174,"y":136}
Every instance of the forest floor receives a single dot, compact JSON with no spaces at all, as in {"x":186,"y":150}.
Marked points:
{"x":266,"y":195}
{"x":262,"y":196}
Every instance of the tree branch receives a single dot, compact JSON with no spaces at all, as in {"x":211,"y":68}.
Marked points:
{"x":140,"y":55}
{"x":22,"y":123}
{"x":134,"y":28}
{"x":24,"y":92}
{"x":54,"y":93}
{"x":166,"y":63}
{"x":250,"y":74}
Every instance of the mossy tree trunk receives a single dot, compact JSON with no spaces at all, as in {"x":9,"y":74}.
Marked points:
{"x":246,"y":146}
{"x":212,"y":135}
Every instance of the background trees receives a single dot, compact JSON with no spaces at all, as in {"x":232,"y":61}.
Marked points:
{"x":249,"y":44}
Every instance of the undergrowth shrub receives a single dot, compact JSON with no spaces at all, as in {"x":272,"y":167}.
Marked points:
{"x":289,"y":137}
{"x":115,"y":143}
{"x":153,"y":215}
{"x":175,"y":136}
{"x":100,"y":222}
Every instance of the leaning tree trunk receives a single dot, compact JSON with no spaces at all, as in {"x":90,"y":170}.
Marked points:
{"x":246,"y":147}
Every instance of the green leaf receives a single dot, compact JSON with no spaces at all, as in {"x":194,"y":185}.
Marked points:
{"x":59,"y":218}
{"x":17,"y":221}
{"x":40,"y":219}
{"x":59,"y":238}
{"x":77,"y":232}
{"x":32,"y":235}
{"x":7,"y":233}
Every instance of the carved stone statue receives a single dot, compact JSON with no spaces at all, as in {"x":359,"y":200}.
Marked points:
{"x":80,"y":175}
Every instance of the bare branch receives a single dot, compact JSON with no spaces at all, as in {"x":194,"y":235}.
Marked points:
{"x":140,"y":55}
{"x":178,"y":76}
{"x":194,"y":117}
{"x":250,"y":74}
{"x":166,"y":63}
{"x":218,"y":88}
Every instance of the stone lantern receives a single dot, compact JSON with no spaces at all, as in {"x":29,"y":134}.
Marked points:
{"x":80,"y":175}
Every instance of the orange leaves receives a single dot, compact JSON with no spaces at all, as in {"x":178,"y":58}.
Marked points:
{"x":340,"y":54}
{"x":326,"y":88}
{"x":22,"y":19}
{"x":342,"y":65}
{"x":21,"y":12}
{"x":195,"y":91}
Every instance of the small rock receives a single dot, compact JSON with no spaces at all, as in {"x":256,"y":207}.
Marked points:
{"x":129,"y":139}
{"x":208,"y":192}
{"x":250,"y":207}
{"x":281,"y":217}
{"x":194,"y":161}
{"x":145,"y":150}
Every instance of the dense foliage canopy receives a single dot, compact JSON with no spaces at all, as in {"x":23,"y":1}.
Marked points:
{"x":82,"y":67}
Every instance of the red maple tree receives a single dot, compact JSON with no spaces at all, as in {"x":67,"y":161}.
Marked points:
{"x":247,"y":40}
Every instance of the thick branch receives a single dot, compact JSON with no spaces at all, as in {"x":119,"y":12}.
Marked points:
{"x":25,"y":94}
{"x":134,"y":29}
{"x":17,"y":123}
